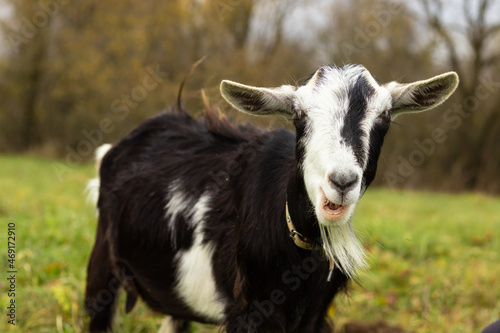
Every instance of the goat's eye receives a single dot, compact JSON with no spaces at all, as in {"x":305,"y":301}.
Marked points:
{"x":385,"y":114}
{"x":298,"y":114}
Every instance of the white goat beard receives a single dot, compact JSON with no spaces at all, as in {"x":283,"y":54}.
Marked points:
{"x":343,"y":248}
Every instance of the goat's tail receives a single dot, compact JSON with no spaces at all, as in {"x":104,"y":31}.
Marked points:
{"x":186,"y":77}
{"x":92,"y":188}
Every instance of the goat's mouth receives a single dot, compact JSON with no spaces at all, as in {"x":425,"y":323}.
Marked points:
{"x":333,"y":208}
{"x":331,"y":211}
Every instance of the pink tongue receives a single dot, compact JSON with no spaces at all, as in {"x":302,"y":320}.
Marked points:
{"x":333,"y":206}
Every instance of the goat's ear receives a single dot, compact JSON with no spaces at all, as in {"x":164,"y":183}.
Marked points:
{"x":421,"y":95}
{"x":259,"y":101}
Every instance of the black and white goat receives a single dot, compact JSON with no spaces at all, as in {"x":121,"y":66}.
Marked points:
{"x":196,"y":216}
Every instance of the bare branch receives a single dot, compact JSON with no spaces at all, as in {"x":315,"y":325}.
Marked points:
{"x":491,"y":60}
{"x":492,"y":30}
{"x":467,"y":12}
{"x":435,"y":23}
{"x":482,"y":11}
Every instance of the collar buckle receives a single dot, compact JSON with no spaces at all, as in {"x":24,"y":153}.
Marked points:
{"x":295,"y":233}
{"x":299,"y":239}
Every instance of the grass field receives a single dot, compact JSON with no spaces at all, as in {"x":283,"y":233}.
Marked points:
{"x":435,"y":257}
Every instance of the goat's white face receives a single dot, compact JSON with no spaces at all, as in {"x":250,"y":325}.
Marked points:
{"x":340,"y":107}
{"x":341,"y":116}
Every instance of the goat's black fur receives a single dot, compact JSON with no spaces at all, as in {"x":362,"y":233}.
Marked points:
{"x":249,"y":172}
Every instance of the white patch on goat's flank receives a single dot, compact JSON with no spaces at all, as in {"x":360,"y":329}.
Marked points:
{"x":178,"y":203}
{"x":199,"y":210}
{"x":167,"y":325}
{"x":195,"y":278}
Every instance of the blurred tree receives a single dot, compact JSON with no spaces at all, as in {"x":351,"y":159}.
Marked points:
{"x":87,"y":61}
{"x":268,"y":23}
{"x":90,"y":61}
{"x":478,"y":160}
{"x":22,"y":77}
{"x":76,"y":74}
{"x":379,"y":34}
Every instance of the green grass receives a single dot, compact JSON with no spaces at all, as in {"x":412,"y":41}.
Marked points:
{"x":435,"y":261}
{"x":435,"y":257}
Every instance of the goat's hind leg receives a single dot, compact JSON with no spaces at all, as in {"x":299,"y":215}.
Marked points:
{"x":102,"y":288}
{"x":171,"y":325}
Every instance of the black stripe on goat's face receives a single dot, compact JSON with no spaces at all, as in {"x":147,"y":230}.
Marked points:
{"x":352,"y":132}
{"x":343,"y":109}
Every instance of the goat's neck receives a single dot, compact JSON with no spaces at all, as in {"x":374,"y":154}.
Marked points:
{"x":300,"y":206}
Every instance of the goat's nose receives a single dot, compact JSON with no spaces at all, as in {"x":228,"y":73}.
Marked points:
{"x":343,"y":182}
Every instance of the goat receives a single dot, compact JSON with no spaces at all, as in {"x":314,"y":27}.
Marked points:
{"x":246,"y":228}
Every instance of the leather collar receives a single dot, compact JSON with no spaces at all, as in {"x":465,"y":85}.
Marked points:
{"x":299,"y":239}
{"x":303,"y":242}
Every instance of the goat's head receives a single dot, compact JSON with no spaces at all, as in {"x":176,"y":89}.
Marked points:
{"x":341,"y":116}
